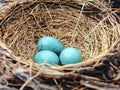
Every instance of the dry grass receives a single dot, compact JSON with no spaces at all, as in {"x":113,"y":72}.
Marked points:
{"x":29,"y":22}
{"x":91,"y":28}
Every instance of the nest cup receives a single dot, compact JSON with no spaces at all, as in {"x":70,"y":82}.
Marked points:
{"x":76,"y":24}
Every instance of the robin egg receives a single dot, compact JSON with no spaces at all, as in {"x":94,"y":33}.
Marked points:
{"x":50,"y":43}
{"x":70,"y":56}
{"x":47,"y":57}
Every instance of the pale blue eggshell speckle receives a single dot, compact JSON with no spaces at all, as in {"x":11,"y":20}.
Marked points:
{"x":50,"y":43}
{"x":47,"y":57}
{"x":70,"y":56}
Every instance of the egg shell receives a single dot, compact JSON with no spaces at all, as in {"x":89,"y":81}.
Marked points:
{"x":70,"y":55}
{"x":50,"y":43}
{"x":47,"y":57}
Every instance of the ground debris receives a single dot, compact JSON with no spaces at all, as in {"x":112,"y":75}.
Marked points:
{"x":17,"y":73}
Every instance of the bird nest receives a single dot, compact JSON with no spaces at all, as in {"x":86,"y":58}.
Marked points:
{"x":91,"y":27}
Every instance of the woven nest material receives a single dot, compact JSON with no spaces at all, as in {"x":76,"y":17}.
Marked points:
{"x":91,"y":27}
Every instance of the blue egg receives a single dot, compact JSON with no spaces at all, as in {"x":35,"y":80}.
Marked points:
{"x":70,"y":56}
{"x":50,"y":43}
{"x":47,"y":57}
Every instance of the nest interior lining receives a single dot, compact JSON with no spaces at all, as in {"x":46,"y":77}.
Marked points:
{"x":29,"y":22}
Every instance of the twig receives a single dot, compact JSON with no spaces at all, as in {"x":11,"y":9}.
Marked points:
{"x":99,"y":85}
{"x":29,"y":81}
